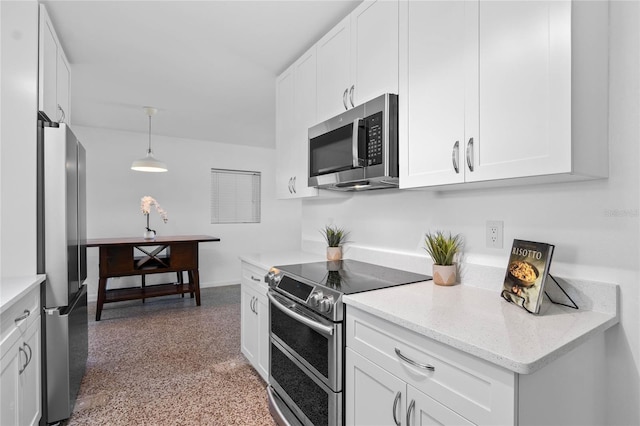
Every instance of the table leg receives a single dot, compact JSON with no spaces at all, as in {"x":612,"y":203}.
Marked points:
{"x":102,"y":294}
{"x":194,"y":279}
{"x":144,"y":284}
{"x":180,"y":282}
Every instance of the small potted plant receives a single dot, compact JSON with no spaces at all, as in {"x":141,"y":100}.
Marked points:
{"x":334,"y":237}
{"x":443,"y":249}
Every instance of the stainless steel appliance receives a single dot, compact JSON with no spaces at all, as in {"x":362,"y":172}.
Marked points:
{"x":306,"y":335}
{"x":358,"y":149}
{"x":62,"y":257}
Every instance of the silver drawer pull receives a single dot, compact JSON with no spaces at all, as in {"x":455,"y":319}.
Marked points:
{"x":414,"y":363}
{"x":23,"y":316}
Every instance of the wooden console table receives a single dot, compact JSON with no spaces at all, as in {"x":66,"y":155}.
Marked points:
{"x":121,"y":257}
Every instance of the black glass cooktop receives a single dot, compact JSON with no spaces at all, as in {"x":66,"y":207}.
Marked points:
{"x":351,"y":276}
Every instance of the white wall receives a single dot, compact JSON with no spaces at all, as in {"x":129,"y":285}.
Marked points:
{"x":114,"y":192}
{"x":18,"y":85}
{"x":594,"y":225}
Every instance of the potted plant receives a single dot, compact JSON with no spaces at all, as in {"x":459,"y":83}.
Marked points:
{"x":334,"y":237}
{"x":442,"y":249}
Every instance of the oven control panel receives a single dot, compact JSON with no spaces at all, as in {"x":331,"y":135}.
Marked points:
{"x":315,"y":297}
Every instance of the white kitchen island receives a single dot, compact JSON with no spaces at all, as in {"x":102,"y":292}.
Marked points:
{"x":422,"y":353}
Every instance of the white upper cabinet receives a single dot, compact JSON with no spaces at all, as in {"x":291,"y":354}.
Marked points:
{"x":295,"y":113}
{"x":491,"y":91}
{"x":358,"y":58}
{"x":54,"y":73}
{"x":334,"y":52}
{"x":374,"y":50}
{"x":432,"y":93}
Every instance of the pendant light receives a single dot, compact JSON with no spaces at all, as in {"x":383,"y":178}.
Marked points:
{"x":149,"y":163}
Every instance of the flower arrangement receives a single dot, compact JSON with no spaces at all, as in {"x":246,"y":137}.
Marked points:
{"x":145,"y":206}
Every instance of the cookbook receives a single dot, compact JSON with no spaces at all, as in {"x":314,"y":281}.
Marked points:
{"x":527,"y":273}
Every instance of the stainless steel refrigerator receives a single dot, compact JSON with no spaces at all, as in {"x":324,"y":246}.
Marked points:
{"x":62,"y":257}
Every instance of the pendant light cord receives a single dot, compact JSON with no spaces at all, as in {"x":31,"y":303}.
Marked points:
{"x":149,"y":134}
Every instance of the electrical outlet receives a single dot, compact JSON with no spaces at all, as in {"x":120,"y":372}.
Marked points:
{"x":494,"y":233}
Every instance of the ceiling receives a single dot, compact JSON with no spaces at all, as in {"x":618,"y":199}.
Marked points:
{"x":208,"y":66}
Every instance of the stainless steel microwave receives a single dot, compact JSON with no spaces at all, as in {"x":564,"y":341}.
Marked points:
{"x":358,"y":149}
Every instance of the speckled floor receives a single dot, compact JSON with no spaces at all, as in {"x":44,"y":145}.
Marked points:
{"x":169,"y":362}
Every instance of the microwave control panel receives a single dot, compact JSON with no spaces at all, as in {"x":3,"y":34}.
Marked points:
{"x":373,"y":124}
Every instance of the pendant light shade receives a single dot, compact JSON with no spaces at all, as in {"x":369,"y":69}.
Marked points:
{"x":149,"y":163}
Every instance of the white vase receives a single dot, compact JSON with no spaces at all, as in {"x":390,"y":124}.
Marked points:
{"x":149,"y":235}
{"x":334,"y":253}
{"x":444,"y":274}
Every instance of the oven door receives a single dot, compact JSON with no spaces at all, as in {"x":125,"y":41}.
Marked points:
{"x":313,"y":341}
{"x":294,"y":390}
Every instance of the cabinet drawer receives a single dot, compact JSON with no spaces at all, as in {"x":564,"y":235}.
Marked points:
{"x":254,"y":276}
{"x":29,"y":302}
{"x":479,"y":391}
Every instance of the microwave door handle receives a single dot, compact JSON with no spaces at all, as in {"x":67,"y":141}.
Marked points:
{"x":357,"y":160}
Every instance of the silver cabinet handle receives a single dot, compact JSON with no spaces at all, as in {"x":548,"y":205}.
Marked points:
{"x":410,"y":410}
{"x":395,"y":408}
{"x":414,"y":363}
{"x":30,"y":354}
{"x":255,"y":279}
{"x":290,"y":180}
{"x":252,"y":305}
{"x":22,"y":317}
{"x":20,"y":350}
{"x":455,"y":154}
{"x":470,"y":154}
{"x":294,"y":185}
{"x":344,"y":98}
{"x":351,"y":95}
{"x":63,"y":114}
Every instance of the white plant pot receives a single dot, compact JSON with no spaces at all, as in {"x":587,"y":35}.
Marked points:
{"x":334,"y":253}
{"x":444,"y":274}
{"x":149,"y":235}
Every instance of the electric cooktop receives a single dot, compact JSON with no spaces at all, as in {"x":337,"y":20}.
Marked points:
{"x":351,"y":276}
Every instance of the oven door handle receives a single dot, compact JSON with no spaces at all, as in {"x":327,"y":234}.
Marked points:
{"x":320,"y":328}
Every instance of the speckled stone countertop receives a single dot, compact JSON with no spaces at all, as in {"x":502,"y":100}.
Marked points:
{"x":13,"y":288}
{"x":479,"y":322}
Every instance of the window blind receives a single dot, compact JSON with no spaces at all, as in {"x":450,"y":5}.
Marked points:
{"x":235,"y":196}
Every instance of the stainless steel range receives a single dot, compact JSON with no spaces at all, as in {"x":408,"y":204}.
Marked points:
{"x":306,"y":330}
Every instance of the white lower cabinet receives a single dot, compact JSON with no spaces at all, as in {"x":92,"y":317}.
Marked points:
{"x":395,"y":376}
{"x":255,"y":318}
{"x":20,"y":375}
{"x":377,"y":397}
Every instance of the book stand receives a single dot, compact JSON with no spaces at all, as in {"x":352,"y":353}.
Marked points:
{"x":573,"y":304}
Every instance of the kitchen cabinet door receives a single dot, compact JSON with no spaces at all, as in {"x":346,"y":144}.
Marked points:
{"x":334,"y":59}
{"x":47,"y":71}
{"x":434,"y":63}
{"x":524,"y":90}
{"x":295,"y":113}
{"x":249,"y":325}
{"x":262,"y":307}
{"x":304,"y":116}
{"x":284,"y":134}
{"x":30,"y":379}
{"x":373,"y":396}
{"x":425,"y":411}
{"x":54,"y":73}
{"x":11,"y":361}
{"x":374,"y":50}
